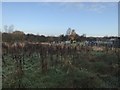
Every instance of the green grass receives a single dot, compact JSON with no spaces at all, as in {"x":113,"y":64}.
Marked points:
{"x":87,"y":70}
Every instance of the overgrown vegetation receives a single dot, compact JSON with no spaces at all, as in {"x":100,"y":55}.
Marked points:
{"x":60,"y":67}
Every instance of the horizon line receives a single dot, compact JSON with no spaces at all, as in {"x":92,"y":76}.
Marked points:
{"x":64,"y":34}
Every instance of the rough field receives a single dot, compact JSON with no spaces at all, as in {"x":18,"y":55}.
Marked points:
{"x":41,"y":66}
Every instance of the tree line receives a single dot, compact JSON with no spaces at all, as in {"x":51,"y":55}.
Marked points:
{"x":19,"y":36}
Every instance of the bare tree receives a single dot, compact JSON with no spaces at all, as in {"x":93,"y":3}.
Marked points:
{"x":6,"y":28}
{"x":11,"y":28}
{"x":68,"y":31}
